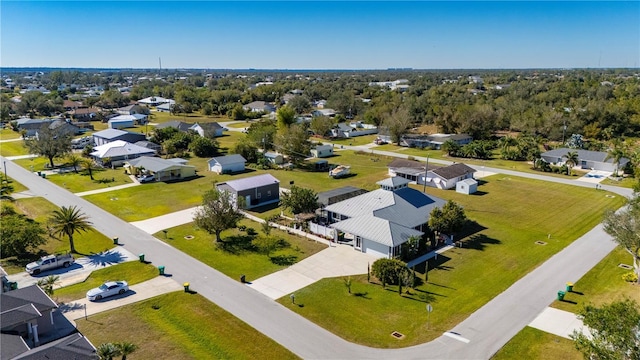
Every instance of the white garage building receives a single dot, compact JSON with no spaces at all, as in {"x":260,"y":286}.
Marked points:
{"x":380,"y":221}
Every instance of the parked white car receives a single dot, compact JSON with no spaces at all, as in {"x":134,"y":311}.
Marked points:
{"x":107,"y":289}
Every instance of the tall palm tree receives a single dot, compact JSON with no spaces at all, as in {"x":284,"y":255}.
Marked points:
{"x":107,"y":351}
{"x":5,"y":190}
{"x":68,"y":221}
{"x":88,"y":165}
{"x":572,"y":160}
{"x":48,"y":283}
{"x":126,"y":348}
{"x":74,"y":160}
{"x":616,"y":153}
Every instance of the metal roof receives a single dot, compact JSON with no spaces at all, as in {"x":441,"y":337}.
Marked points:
{"x":156,"y":164}
{"x":394,"y":181}
{"x":379,"y":230}
{"x":119,"y":148}
{"x":229,"y":159}
{"x":586,"y":155}
{"x":251,"y":182}
{"x":109,"y":133}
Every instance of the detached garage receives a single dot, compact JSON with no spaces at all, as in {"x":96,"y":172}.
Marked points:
{"x":227,"y":164}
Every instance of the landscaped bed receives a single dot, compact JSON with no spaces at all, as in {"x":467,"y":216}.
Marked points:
{"x":179,"y":325}
{"x":236,"y":256}
{"x":511,"y":214}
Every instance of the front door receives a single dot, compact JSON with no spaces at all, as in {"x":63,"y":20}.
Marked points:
{"x":358,"y":244}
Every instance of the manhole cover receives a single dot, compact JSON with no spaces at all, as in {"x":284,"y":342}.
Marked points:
{"x":610,"y":196}
{"x":625,"y":266}
{"x":397,"y":335}
{"x":189,"y":237}
{"x":541,"y":243}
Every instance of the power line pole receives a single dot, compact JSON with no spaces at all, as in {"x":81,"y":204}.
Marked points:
{"x":426,"y":170}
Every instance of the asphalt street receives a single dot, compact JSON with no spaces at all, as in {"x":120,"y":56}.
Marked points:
{"x":480,"y":335}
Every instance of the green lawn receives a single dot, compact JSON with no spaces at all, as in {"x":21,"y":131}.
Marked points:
{"x":8,"y":134}
{"x":239,"y":125}
{"x":133,"y":272}
{"x":237,"y":257}
{"x":511,"y":214}
{"x":625,"y":182}
{"x":534,"y":344}
{"x":80,"y":181}
{"x":35,"y":164}
{"x":39,"y":209}
{"x":17,"y":187}
{"x":601,"y":285}
{"x":13,"y":148}
{"x":181,"y":326}
{"x":150,"y":200}
{"x":354,"y":141}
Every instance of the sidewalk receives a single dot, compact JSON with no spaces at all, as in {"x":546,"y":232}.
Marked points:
{"x":112,"y":188}
{"x":153,"y":225}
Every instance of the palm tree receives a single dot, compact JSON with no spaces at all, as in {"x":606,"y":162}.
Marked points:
{"x":88,"y":165}
{"x":572,"y":160}
{"x":616,"y":153}
{"x":74,"y":160}
{"x":126,"y":348}
{"x":107,"y":351}
{"x":68,"y":221}
{"x":5,"y":190}
{"x":48,"y":283}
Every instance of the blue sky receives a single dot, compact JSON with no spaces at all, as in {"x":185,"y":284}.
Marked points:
{"x":320,"y":35}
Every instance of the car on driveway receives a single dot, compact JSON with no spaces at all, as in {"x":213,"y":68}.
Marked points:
{"x":107,"y":289}
{"x":146,"y":178}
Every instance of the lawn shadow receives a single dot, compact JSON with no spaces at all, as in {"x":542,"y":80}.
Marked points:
{"x":104,"y":258}
{"x":192,"y":292}
{"x":284,"y":260}
{"x":265,"y":208}
{"x":67,"y":307}
{"x":237,"y":244}
{"x":479,"y":242}
{"x":479,"y":193}
{"x":470,"y":228}
{"x":569,"y":301}
{"x":576,"y":292}
{"x":364,"y":295}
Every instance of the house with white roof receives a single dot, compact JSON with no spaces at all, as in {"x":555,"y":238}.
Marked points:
{"x":259,"y":106}
{"x":380,"y":221}
{"x":155,"y":101}
{"x":587,"y":159}
{"x":117,"y":152}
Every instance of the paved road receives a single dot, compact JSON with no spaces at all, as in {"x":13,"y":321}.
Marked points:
{"x":484,"y":332}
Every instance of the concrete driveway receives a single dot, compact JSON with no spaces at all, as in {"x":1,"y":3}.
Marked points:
{"x":80,"y":270}
{"x":142,"y":291}
{"x":341,"y":260}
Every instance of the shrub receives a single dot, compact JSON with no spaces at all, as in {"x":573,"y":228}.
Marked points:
{"x":631,"y":277}
{"x":251,"y":231}
{"x":242,"y":227}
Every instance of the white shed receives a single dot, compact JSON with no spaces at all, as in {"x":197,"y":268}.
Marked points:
{"x":227,"y":164}
{"x":467,"y":186}
{"x":321,"y":151}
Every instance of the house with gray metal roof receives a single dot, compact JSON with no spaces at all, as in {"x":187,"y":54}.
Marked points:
{"x":110,"y":135}
{"x":227,"y":164}
{"x":380,"y":221}
{"x":255,"y":191}
{"x":161,"y":169}
{"x":587,"y":159}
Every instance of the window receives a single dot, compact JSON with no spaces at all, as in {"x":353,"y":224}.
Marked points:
{"x":269,"y":193}
{"x":259,"y":195}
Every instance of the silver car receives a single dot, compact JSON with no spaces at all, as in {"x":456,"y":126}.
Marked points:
{"x":107,"y":289}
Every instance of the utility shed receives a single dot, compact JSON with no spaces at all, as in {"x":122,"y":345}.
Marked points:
{"x":467,"y":186}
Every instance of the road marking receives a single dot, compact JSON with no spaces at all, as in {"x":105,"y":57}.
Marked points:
{"x":456,"y":336}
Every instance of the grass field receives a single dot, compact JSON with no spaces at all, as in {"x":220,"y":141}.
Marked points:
{"x":534,"y":344}
{"x":181,"y":326}
{"x":80,"y":181}
{"x":8,"y":134}
{"x":16,"y":186}
{"x":39,"y":209}
{"x":511,"y":214}
{"x":602,"y":285}
{"x":13,"y":148}
{"x":238,"y":257}
{"x":354,"y":141}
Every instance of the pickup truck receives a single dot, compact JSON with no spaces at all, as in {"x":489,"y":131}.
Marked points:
{"x":49,"y":262}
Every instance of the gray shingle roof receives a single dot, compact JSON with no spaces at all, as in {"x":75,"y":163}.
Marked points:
{"x":453,"y":171}
{"x":72,"y":347}
{"x":27,"y":295}
{"x":251,"y":182}
{"x":587,"y":155}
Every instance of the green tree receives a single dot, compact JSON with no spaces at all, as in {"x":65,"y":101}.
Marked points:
{"x":397,"y":124}
{"x":572,"y":160}
{"x":107,"y":351}
{"x":47,"y":284}
{"x":247,"y":149}
{"x":69,"y":221}
{"x":88,"y":165}
{"x":19,"y":234}
{"x":624,"y":227}
{"x":204,"y":147}
{"x":347,"y":283}
{"x":5,"y":192}
{"x":293,"y":142}
{"x":218,"y":213}
{"x":285,"y":117}
{"x":388,"y":271}
{"x":300,"y":104}
{"x":262,"y":134}
{"x":613,"y":331}
{"x":447,"y":220}
{"x":49,"y":143}
{"x":451,"y":147}
{"x":299,"y":200}
{"x":616,"y":153}
{"x":321,"y":125}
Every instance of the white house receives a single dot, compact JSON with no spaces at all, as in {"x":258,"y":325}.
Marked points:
{"x":380,"y":221}
{"x":274,"y":158}
{"x":155,"y":101}
{"x":227,"y":164}
{"x":161,"y":169}
{"x":446,"y":177}
{"x":258,"y":106}
{"x":321,"y":151}
{"x":117,"y":152}
{"x":596,"y":160}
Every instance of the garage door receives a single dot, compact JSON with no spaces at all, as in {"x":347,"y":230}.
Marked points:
{"x":375,"y":249}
